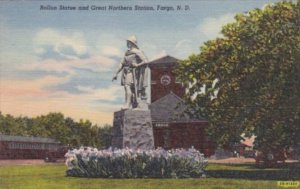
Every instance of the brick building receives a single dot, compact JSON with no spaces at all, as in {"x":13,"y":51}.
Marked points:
{"x":163,"y":78}
{"x":171,"y":127}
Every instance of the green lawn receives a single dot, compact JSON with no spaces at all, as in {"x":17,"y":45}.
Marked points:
{"x":219,"y":176}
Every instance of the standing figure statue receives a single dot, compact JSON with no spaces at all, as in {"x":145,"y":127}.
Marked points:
{"x":134,"y":76}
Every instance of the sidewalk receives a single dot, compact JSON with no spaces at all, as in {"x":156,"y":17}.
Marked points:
{"x":235,"y":160}
{"x":232,"y":160}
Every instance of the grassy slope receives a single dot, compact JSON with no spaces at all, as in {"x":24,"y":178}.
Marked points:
{"x":220,"y":176}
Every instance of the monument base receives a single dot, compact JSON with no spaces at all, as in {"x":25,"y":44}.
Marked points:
{"x":132,"y":128}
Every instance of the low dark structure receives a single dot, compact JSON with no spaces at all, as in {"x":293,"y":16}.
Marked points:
{"x":271,"y":156}
{"x":19,"y":147}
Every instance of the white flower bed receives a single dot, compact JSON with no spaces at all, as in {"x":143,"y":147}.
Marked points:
{"x":129,"y":163}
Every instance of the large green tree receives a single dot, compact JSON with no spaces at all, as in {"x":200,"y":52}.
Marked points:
{"x":257,"y":65}
{"x":55,"y":125}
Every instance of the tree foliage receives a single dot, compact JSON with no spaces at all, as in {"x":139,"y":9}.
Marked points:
{"x":55,"y":125}
{"x":257,"y":64}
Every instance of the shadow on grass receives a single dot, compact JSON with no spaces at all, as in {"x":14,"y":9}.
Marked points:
{"x":290,"y":172}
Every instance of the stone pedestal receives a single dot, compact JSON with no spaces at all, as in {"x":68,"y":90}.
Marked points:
{"x":133,"y":129}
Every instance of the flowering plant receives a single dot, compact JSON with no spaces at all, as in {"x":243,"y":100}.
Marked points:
{"x":130,"y":163}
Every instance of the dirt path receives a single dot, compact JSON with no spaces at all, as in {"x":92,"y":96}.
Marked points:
{"x":60,"y":161}
{"x":28,"y":162}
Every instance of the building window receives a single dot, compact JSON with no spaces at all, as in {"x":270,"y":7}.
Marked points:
{"x":11,"y":145}
{"x":153,"y":82}
{"x":161,"y":124}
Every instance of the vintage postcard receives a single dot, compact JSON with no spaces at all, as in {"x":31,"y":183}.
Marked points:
{"x":149,"y":94}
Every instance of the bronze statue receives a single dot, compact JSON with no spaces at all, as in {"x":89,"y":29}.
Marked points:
{"x":134,"y":75}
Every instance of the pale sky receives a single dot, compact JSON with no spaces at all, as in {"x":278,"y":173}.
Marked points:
{"x":63,"y":60}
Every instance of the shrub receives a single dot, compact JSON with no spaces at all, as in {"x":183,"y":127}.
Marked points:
{"x":130,"y":163}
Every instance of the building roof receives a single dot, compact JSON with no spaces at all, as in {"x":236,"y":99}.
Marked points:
{"x":170,"y":108}
{"x":26,"y":139}
{"x":165,"y":60}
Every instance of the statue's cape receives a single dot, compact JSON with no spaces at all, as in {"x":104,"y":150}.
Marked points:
{"x":140,"y":54}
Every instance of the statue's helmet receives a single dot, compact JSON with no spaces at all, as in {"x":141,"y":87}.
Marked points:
{"x":133,"y":40}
